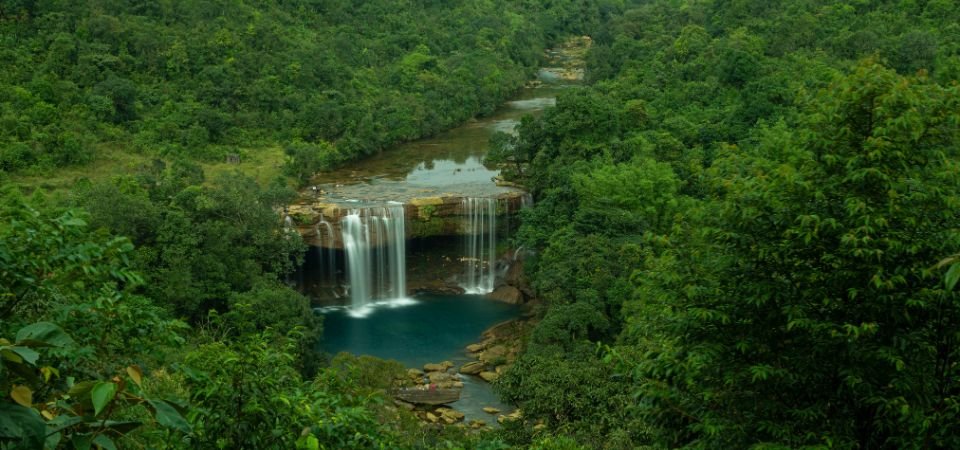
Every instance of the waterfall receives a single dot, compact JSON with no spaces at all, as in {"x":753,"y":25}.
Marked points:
{"x":330,"y":262}
{"x":481,"y":244}
{"x":374,"y":239}
{"x":526,"y":201}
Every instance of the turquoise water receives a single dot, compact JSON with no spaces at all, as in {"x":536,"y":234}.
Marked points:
{"x":432,"y":329}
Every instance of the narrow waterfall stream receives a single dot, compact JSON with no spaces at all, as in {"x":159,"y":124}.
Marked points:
{"x":480,"y":252}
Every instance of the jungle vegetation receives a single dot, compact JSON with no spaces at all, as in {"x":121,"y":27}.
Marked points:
{"x":746,"y":227}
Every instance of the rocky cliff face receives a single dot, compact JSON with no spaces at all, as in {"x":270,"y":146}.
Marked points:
{"x":319,"y":223}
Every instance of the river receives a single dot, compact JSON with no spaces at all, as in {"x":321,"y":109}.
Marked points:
{"x":427,"y":327}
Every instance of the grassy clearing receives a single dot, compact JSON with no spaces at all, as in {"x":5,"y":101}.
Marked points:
{"x":263,"y":164}
{"x":112,"y":160}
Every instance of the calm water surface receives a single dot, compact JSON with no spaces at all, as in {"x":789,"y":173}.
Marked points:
{"x":449,"y":164}
{"x":435,"y":328}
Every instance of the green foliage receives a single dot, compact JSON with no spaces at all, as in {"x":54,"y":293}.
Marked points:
{"x":755,"y":206}
{"x":199,"y":244}
{"x":280,"y":308}
{"x":52,"y":267}
{"x":330,"y":81}
{"x":251,"y":397}
{"x":304,"y":159}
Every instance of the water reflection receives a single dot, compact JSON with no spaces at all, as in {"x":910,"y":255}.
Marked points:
{"x":451,"y":163}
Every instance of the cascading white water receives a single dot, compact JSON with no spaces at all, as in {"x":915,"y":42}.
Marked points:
{"x":374,"y":240}
{"x":325,"y":234}
{"x":481,"y":244}
{"x":526,"y":201}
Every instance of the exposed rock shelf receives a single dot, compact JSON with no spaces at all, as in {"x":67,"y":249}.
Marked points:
{"x":319,"y":221}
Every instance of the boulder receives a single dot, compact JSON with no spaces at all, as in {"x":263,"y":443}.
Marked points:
{"x":415,"y":374}
{"x":490,"y":410}
{"x":450,"y":415}
{"x":516,"y":415}
{"x":440,"y":377}
{"x":472,"y":368}
{"x":457,"y":384}
{"x":434,"y":367}
{"x":455,"y":415}
{"x":433,"y":418}
{"x":477,"y":423}
{"x":446,"y":365}
{"x":428,"y":396}
{"x":476,"y":348}
{"x":489,"y":377}
{"x":507,"y":294}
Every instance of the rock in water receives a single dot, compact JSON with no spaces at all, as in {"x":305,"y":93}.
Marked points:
{"x":436,"y":396}
{"x":472,"y":368}
{"x":450,"y":415}
{"x":440,"y":377}
{"x":490,"y":410}
{"x":507,"y":294}
{"x":476,"y":348}
{"x":489,"y":377}
{"x":434,"y":367}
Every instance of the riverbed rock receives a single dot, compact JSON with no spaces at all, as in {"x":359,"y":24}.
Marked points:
{"x":434,"y":367}
{"x":423,"y":395}
{"x":477,"y":424}
{"x":440,"y":377}
{"x":516,"y":415}
{"x":489,"y":377}
{"x":432,"y":417}
{"x":472,"y":368}
{"x":450,"y":415}
{"x":507,"y":294}
{"x":490,"y":410}
{"x":415,"y":374}
{"x":446,"y":364}
{"x":476,"y":348}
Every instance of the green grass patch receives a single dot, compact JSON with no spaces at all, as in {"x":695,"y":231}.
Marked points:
{"x":262,"y":164}
{"x":113,"y":159}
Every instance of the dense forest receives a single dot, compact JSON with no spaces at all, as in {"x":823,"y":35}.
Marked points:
{"x":88,"y":80}
{"x":746,"y":224}
{"x":746,"y":228}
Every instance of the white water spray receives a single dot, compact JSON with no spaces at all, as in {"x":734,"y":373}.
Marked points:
{"x":481,"y":244}
{"x":374,"y":240}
